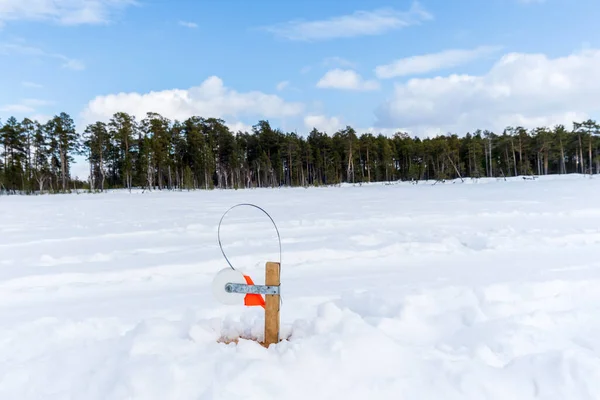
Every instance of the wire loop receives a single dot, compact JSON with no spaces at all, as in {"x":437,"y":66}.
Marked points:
{"x":249,"y":205}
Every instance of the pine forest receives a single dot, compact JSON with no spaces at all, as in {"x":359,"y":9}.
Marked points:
{"x":156,"y":153}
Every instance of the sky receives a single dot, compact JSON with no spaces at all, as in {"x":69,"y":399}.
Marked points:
{"x":429,"y":67}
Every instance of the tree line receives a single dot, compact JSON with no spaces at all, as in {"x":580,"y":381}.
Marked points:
{"x":203,"y":153}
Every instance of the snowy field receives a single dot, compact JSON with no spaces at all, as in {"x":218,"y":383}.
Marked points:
{"x":480,"y":290}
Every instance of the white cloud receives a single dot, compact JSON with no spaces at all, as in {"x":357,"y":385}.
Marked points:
{"x":282,"y":85}
{"x":432,"y":62}
{"x":187,"y":24}
{"x":389,"y":132}
{"x":322,"y":123}
{"x":520,"y":89}
{"x":32,"y":51}
{"x":17,"y":108}
{"x":15,"y":48}
{"x":65,"y":12}
{"x":331,"y":125}
{"x":210,"y":99}
{"x":360,"y":23}
{"x":36,"y":102}
{"x":25,"y":106}
{"x":346,"y":79}
{"x":41,"y":118}
{"x":75,"y":65}
{"x":31,"y":85}
{"x":238,"y":126}
{"x":338,"y":61}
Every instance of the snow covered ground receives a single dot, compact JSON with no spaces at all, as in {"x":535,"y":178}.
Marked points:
{"x":475,"y":290}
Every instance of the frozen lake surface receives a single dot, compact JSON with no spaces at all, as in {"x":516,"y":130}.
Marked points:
{"x":475,"y":290}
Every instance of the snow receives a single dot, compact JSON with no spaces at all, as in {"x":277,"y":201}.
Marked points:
{"x":478,"y":290}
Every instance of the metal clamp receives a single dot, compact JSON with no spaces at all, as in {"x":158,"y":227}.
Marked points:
{"x":250,"y":289}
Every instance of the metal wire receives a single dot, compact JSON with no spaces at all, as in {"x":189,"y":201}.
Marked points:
{"x":274,"y":224}
{"x":249,"y":205}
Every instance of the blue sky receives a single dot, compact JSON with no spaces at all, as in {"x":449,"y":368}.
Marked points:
{"x":304,"y":63}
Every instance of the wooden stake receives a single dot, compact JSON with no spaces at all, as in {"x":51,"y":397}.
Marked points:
{"x":272,"y":302}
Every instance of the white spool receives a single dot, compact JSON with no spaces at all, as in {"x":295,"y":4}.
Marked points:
{"x":223,"y":277}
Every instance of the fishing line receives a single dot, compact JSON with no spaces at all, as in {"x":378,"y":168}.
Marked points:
{"x":266,"y":213}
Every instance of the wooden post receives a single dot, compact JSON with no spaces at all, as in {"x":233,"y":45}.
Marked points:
{"x":272,"y":303}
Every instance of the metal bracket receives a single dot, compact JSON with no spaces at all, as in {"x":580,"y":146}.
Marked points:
{"x":250,"y":289}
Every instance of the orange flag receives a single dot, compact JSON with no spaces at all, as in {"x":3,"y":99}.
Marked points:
{"x":253,"y":299}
